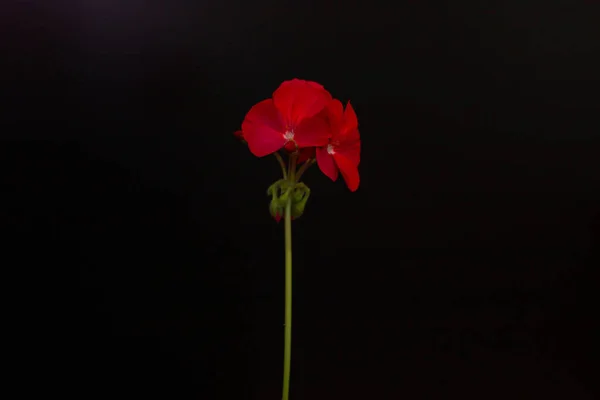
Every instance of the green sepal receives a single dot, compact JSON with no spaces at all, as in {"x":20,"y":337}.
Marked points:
{"x":281,"y":191}
{"x":300,"y":195}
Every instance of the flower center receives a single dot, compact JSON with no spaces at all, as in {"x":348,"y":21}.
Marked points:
{"x":330,"y":149}
{"x":289,"y":135}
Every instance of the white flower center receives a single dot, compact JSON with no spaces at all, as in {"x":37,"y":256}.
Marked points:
{"x":289,"y":135}
{"x":330,"y":149}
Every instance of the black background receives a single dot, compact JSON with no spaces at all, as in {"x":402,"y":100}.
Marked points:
{"x":139,"y":226}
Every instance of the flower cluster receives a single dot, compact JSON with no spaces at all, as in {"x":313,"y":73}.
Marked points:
{"x":302,"y":120}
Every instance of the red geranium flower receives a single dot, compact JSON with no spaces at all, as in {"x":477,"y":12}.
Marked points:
{"x":304,"y":120}
{"x":342,"y":153}
{"x":290,"y":116}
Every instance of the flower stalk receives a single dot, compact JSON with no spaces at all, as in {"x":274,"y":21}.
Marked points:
{"x":287,"y":334}
{"x":303,"y":168}
{"x":287,"y":343}
{"x":282,"y":164}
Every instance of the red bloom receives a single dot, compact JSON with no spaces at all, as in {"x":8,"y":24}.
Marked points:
{"x":343,"y":151}
{"x":290,"y":116}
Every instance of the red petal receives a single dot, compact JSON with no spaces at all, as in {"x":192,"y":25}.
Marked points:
{"x":350,"y":119}
{"x":306,"y":154}
{"x":327,"y":164}
{"x":263,"y":129}
{"x":277,"y":217}
{"x":312,"y":132}
{"x":349,"y":171}
{"x":335,"y":113}
{"x":298,"y":99}
{"x":349,"y":147}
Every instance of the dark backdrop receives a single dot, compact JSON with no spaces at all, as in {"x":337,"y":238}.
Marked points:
{"x":149,"y":265}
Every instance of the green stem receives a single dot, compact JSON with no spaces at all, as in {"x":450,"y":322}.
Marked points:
{"x":287,"y":347}
{"x":287,"y":342}
{"x":292,"y":174}
{"x":303,"y":168}
{"x":282,"y":164}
